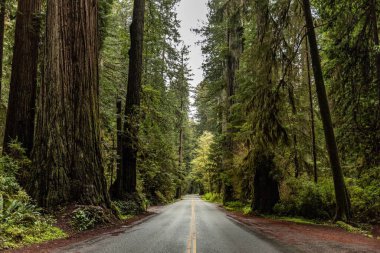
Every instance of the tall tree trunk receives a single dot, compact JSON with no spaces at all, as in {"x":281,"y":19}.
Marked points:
{"x":373,"y":7}
{"x":235,"y":45}
{"x":126,"y":182}
{"x":119,"y":129}
{"x":66,"y":155}
{"x":22,"y":96}
{"x":342,"y":200}
{"x":312,"y":118}
{"x":180,"y":148}
{"x":116,"y":186}
{"x":2,"y":31}
{"x":181,"y":94}
{"x":266,"y":192}
{"x":296,"y":161}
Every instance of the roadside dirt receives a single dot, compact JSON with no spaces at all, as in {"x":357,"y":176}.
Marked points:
{"x":309,"y":238}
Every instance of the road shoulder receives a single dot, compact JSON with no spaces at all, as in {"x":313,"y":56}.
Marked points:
{"x":305,"y":237}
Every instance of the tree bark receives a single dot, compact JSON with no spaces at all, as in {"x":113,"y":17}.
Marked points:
{"x":312,"y":118}
{"x":22,"y":96}
{"x":342,"y":201}
{"x":234,"y":43}
{"x":66,"y":157}
{"x":182,"y":88}
{"x":2,"y":31}
{"x":119,"y":129}
{"x":296,"y":161}
{"x":116,"y":186}
{"x":127,"y":180}
{"x":266,"y":192}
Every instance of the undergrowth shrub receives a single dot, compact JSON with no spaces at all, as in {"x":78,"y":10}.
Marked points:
{"x":21,"y":222}
{"x":213,"y":197}
{"x":88,"y":217}
{"x":365,"y":196}
{"x":302,"y":197}
{"x":136,"y":204}
{"x":238,"y":206}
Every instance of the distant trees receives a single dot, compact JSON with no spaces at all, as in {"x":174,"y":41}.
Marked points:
{"x":23,"y":86}
{"x":67,"y":157}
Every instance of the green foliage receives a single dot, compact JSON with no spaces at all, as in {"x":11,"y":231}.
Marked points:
{"x":238,"y":206}
{"x":307,"y":199}
{"x":17,"y":235}
{"x":365,"y":196}
{"x":21,"y":222}
{"x":130,"y":207}
{"x":348,"y":227}
{"x":88,"y":217}
{"x":300,"y":197}
{"x":299,"y":220}
{"x":213,"y":197}
{"x":203,"y":168}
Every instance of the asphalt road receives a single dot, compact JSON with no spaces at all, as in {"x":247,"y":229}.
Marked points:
{"x":187,"y":226}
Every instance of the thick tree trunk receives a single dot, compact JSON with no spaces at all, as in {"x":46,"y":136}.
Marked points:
{"x":116,"y":186}
{"x":126,"y":183}
{"x":2,"y":31}
{"x":119,"y":129}
{"x":67,"y":159}
{"x":266,"y":193}
{"x":234,"y":42}
{"x":342,"y":201}
{"x":22,"y":96}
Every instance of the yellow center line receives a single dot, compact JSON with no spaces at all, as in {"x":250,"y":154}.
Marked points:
{"x":192,"y":240}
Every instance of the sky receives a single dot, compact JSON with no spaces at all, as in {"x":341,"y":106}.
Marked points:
{"x":191,"y":13}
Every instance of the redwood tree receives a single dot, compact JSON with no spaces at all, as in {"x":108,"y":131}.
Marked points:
{"x":342,"y":200}
{"x":125,"y":183}
{"x":2,"y":30}
{"x":22,"y":96}
{"x":66,"y":155}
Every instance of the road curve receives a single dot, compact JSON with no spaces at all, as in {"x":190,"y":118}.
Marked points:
{"x":187,"y":226}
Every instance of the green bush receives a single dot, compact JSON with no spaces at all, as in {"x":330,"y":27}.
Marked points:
{"x":136,"y":204}
{"x":21,"y":222}
{"x":301,"y":197}
{"x":213,"y":197}
{"x":88,"y":217}
{"x":238,"y":206}
{"x":160,"y":198}
{"x":365,"y":196}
